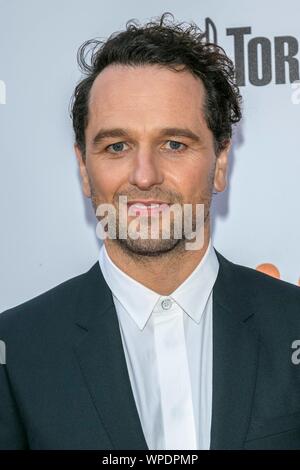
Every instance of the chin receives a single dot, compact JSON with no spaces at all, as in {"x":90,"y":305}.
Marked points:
{"x":148,"y":248}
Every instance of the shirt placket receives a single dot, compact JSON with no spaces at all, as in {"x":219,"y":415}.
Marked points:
{"x":174,"y":378}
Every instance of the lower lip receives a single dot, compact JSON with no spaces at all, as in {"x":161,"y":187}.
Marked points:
{"x":149,"y":211}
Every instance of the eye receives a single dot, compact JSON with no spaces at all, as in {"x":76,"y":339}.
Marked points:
{"x":117,"y":147}
{"x":175,"y":146}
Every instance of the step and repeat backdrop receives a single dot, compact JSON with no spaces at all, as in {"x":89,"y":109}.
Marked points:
{"x":47,"y":227}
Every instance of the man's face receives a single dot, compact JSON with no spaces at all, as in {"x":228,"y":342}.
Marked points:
{"x":145,"y":162}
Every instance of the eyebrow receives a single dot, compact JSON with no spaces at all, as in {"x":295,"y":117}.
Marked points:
{"x":103,"y":134}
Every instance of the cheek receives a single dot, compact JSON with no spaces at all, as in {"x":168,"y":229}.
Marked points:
{"x":105,"y":180}
{"x":195,"y":182}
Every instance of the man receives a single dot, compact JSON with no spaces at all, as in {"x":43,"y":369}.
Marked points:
{"x":157,"y":346}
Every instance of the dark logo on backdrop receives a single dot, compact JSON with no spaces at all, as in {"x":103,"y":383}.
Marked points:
{"x":260,"y":60}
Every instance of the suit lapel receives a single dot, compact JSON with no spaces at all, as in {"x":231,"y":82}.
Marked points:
{"x":235,"y":357}
{"x":103,"y":365}
{"x":102,"y":361}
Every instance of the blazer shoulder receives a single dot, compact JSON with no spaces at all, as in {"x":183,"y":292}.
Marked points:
{"x":266,"y":284}
{"x":265,"y":293}
{"x":52,"y":302}
{"x":253,"y":278}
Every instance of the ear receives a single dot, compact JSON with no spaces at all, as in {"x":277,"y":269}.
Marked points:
{"x":220,"y":179}
{"x":83,"y":172}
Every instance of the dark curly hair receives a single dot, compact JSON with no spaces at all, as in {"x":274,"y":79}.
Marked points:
{"x":171,"y":45}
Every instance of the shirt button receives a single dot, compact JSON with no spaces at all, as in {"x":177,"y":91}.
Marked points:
{"x":166,"y":304}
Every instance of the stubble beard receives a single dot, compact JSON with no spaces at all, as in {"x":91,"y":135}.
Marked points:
{"x":155,"y":247}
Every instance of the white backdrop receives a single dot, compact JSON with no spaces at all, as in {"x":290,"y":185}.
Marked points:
{"x":47,"y":228}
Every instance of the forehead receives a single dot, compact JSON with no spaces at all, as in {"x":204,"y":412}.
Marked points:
{"x":145,"y":91}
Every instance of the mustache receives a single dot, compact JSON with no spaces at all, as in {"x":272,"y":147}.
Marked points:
{"x":167,"y":195}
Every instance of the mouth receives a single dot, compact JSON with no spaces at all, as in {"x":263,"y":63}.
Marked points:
{"x":147,"y":207}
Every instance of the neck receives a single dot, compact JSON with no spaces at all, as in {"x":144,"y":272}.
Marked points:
{"x":162,"y":274}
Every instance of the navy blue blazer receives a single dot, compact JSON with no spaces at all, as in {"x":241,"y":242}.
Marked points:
{"x":65,"y":384}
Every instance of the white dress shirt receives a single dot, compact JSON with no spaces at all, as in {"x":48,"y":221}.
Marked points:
{"x":167,"y":342}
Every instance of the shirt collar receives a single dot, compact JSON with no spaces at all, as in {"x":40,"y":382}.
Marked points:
{"x":139,"y":301}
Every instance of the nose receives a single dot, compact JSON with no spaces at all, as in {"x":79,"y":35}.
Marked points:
{"x":146,"y":170}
